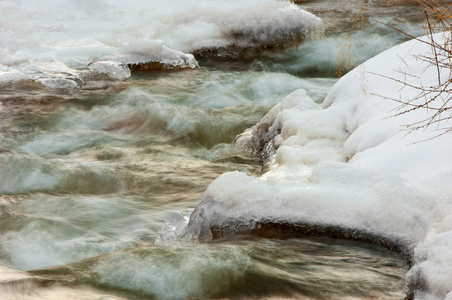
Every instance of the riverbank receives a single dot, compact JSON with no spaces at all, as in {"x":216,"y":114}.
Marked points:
{"x":350,"y":164}
{"x":116,"y":117}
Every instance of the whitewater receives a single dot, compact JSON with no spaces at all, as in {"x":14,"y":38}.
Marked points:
{"x":175,"y":150}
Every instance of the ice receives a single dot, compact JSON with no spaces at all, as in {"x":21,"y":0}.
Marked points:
{"x":63,"y":83}
{"x":8,"y":76}
{"x":350,"y":166}
{"x":253,"y":140}
{"x":142,"y":53}
{"x":110,"y":69}
{"x":75,"y":35}
{"x":175,"y":223}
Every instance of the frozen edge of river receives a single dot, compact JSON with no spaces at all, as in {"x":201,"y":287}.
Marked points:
{"x":350,"y":165}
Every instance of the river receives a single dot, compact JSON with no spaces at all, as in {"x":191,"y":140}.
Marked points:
{"x":90,"y":175}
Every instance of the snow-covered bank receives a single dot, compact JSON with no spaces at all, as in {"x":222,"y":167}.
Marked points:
{"x":55,"y":42}
{"x":349,"y":165}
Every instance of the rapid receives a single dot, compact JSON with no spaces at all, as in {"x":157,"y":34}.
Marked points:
{"x":114,"y":119}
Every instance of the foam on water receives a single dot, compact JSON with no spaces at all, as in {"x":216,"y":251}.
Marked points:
{"x":147,"y":110}
{"x":64,"y":43}
{"x":248,"y":268}
{"x":55,"y":230}
{"x":22,"y":173}
{"x":157,"y":271}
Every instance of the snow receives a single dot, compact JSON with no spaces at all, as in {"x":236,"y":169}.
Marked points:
{"x":48,"y":40}
{"x":350,"y":164}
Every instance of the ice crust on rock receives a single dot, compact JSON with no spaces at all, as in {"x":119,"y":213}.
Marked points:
{"x":264,"y":138}
{"x":351,"y":165}
{"x":254,"y":139}
{"x":154,"y":55}
{"x":108,"y":69}
{"x":254,"y":26}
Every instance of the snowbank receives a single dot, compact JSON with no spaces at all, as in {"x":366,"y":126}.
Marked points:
{"x":349,"y":166}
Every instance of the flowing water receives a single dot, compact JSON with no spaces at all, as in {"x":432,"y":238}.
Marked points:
{"x":89,"y":176}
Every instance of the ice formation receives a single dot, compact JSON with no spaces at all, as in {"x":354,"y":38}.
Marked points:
{"x":62,"y":42}
{"x":351,"y":167}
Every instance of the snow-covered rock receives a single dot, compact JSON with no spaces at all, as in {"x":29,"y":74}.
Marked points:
{"x":103,"y":36}
{"x":351,"y":166}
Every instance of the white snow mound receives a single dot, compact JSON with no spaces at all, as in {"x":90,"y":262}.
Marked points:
{"x":351,"y":165}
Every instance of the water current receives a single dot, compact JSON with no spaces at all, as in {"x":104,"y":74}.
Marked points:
{"x":90,"y":176}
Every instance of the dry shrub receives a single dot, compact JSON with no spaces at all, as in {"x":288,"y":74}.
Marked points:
{"x":438,"y":97}
{"x":347,"y":58}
